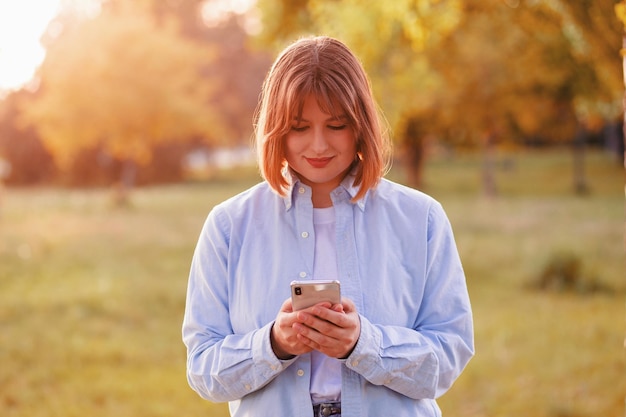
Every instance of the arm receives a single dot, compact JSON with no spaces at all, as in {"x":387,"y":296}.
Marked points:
{"x":423,"y":361}
{"x":221,"y":365}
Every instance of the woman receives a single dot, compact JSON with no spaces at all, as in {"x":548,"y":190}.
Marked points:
{"x":403,"y":331}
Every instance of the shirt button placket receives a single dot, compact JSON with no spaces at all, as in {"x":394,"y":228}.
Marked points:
{"x":304,"y":236}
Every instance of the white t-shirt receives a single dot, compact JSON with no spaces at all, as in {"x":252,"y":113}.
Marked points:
{"x":326,"y":371}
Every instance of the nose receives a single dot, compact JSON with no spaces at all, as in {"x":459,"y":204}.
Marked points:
{"x":319,"y":144}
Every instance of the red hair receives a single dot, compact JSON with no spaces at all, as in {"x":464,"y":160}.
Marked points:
{"x":326,"y":68}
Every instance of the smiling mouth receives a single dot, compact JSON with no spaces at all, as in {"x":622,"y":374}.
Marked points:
{"x":318,"y":162}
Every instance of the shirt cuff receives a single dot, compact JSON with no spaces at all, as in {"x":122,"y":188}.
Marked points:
{"x":263,"y":355}
{"x":365,"y":358}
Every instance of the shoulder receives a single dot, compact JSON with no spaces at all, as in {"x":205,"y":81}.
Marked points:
{"x":394,"y":195}
{"x":237,"y":213}
{"x":404,"y":204}
{"x":258,"y":195}
{"x":408,"y":208}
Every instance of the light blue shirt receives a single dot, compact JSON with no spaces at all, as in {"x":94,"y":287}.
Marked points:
{"x":397,"y":261}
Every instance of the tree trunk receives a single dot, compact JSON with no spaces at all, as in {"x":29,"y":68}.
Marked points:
{"x":624,"y":97}
{"x":622,"y":4}
{"x":121,"y":193}
{"x":414,"y":153}
{"x":489,"y":166}
{"x":5,"y":170}
{"x":622,"y":15}
{"x":580,"y":178}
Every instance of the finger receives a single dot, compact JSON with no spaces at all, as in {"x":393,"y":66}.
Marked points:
{"x":339,"y":329}
{"x":287,"y":306}
{"x":348,"y":305}
{"x":320,"y":335}
{"x":333,"y":350}
{"x":334,"y":346}
{"x":311,"y":337}
{"x":325,"y":315}
{"x":309,"y":343}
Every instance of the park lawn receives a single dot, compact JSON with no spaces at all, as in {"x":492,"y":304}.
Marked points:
{"x":92,"y":296}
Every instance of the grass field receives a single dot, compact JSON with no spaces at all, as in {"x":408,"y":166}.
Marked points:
{"x":92,"y":296}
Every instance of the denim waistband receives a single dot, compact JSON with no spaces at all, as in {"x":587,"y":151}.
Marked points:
{"x":327,"y":409}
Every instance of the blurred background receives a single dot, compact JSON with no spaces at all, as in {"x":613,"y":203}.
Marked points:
{"x":122,"y":122}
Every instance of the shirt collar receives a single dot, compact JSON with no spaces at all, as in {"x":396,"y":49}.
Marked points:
{"x":346,"y":186}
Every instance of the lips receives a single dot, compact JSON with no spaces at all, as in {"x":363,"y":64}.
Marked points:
{"x":318,"y":162}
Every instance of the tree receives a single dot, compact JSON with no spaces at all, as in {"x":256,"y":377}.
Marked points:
{"x":27,"y":161}
{"x":472,"y":73}
{"x":122,"y":83}
{"x":499,"y":88}
{"x":593,"y":36}
{"x":391,"y":39}
{"x":620,"y":11}
{"x":239,"y":64}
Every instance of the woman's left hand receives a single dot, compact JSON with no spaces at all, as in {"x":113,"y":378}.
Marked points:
{"x":333,"y":331}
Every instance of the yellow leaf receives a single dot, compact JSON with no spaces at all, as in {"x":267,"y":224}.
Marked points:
{"x":620,"y":11}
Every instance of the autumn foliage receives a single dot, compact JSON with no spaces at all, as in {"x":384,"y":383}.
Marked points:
{"x":143,"y":82}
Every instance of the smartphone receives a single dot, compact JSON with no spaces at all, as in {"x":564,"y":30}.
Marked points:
{"x":308,"y":293}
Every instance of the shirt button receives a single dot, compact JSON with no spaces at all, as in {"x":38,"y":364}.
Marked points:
{"x":300,"y":372}
{"x":248,"y":387}
{"x":305,"y":234}
{"x":355,"y":363}
{"x":302,"y":274}
{"x":301,"y":190}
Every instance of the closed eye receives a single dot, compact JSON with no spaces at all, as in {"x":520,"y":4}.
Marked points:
{"x":299,"y":128}
{"x":337,"y":127}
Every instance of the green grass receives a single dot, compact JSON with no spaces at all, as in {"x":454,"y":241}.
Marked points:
{"x":92,"y":296}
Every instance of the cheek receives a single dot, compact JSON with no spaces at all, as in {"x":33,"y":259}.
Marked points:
{"x":292,"y":149}
{"x":349,"y":144}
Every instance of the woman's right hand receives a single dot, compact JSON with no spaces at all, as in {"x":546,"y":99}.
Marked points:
{"x":283,"y":337}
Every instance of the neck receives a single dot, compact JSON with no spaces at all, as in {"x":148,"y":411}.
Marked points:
{"x":321,"y":199}
{"x":320,"y":194}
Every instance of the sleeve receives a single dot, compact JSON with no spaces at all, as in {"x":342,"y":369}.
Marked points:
{"x":221,"y":366}
{"x":424,"y":361}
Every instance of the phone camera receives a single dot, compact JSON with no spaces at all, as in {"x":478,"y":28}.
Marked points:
{"x":298,"y":291}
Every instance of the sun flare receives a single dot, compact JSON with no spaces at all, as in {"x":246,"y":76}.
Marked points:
{"x":21,"y":25}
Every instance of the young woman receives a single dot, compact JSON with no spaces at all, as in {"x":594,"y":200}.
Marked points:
{"x":403,"y":331}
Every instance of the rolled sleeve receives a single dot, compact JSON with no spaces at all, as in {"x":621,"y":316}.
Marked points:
{"x":409,"y":368}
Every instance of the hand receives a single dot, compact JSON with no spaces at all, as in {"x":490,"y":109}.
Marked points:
{"x":283,"y":336}
{"x":332,"y":330}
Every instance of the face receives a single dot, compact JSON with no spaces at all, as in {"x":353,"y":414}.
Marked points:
{"x":320,"y":147}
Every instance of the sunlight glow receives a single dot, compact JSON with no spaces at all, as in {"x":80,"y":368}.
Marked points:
{"x":21,"y":25}
{"x":215,"y":12}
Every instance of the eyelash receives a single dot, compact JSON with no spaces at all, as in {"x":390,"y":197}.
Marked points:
{"x":331,"y":127}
